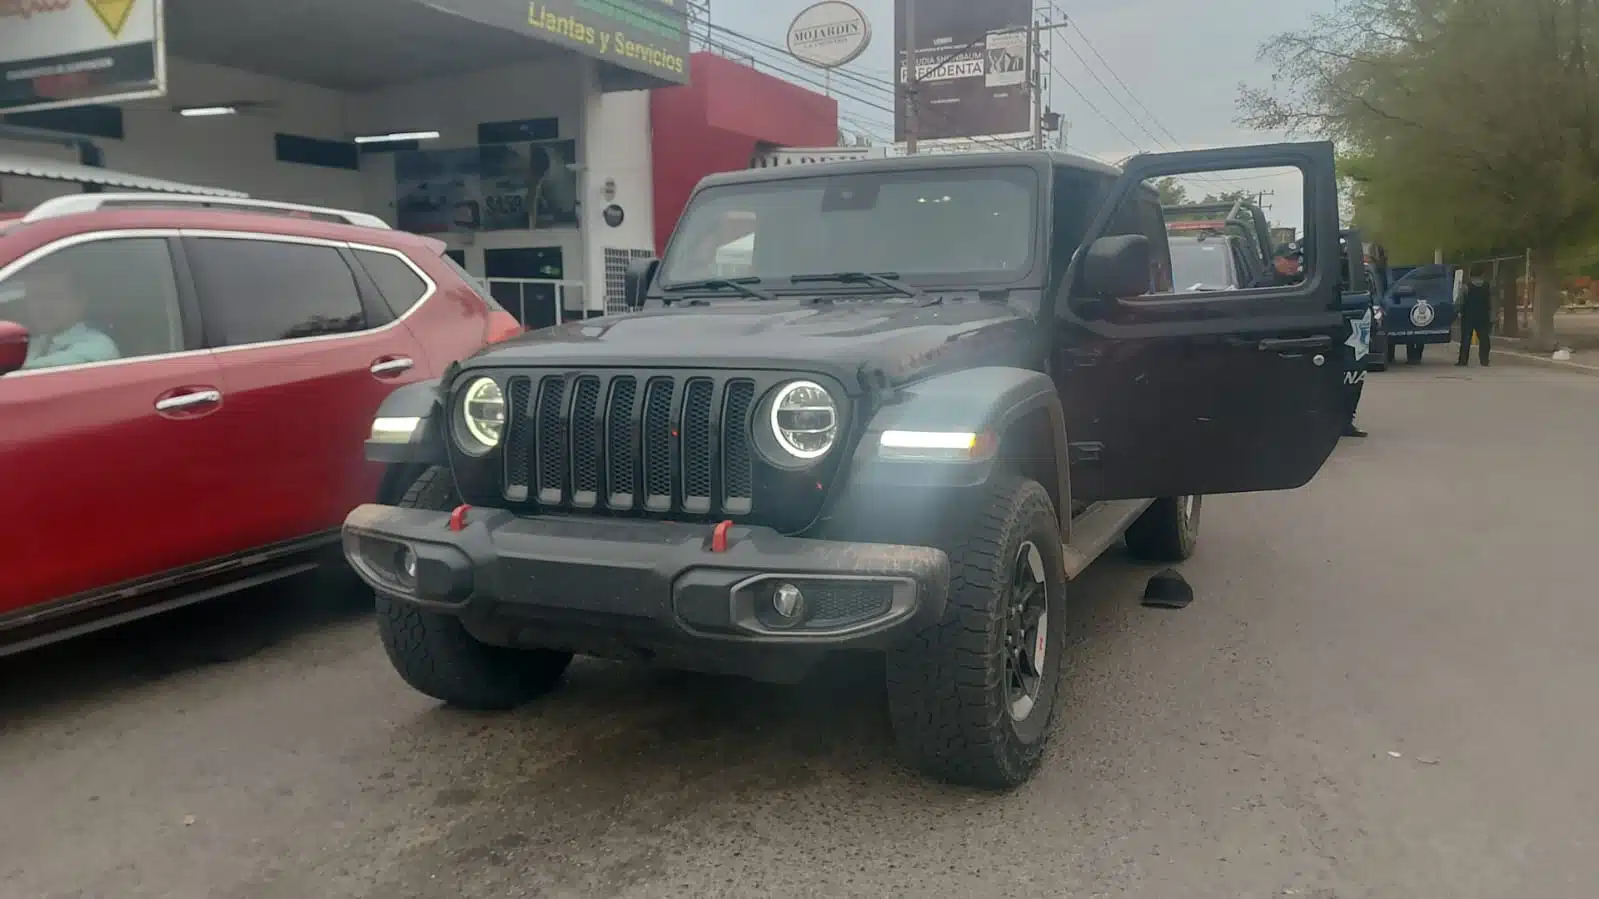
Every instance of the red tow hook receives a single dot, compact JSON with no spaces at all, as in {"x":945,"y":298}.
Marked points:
{"x":719,"y":537}
{"x":458,"y":517}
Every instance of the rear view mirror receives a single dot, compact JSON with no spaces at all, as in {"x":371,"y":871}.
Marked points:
{"x":1116,"y":267}
{"x":636,"y":282}
{"x":13,"y":347}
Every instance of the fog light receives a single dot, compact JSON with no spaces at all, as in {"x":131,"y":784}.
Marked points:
{"x":407,"y":563}
{"x":788,"y":602}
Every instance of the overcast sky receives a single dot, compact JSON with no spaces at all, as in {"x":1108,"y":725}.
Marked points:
{"x":1183,"y":59}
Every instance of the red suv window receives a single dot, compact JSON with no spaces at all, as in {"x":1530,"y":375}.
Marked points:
{"x":261,"y":290}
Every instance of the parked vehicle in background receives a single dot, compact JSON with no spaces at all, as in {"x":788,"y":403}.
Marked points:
{"x":1205,"y":262}
{"x":1244,"y":224}
{"x":1418,"y":309}
{"x":892,"y":432}
{"x":185,"y":387}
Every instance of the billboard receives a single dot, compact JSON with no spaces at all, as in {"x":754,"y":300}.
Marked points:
{"x":649,"y":36}
{"x":493,"y":187}
{"x":971,"y":68}
{"x":59,"y":53}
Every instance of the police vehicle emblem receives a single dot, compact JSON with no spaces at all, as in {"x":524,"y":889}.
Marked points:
{"x":1360,"y":336}
{"x":1422,"y":314}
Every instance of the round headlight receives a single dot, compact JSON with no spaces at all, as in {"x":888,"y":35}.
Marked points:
{"x":804,"y":420}
{"x":482,"y":416}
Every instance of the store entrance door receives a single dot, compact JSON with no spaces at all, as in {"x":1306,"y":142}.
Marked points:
{"x":528,"y":281}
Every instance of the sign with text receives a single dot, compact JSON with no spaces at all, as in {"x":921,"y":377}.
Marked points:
{"x":495,"y":187}
{"x":60,"y":53}
{"x":814,"y":155}
{"x":971,"y":68}
{"x":648,"y":36}
{"x":829,"y":34}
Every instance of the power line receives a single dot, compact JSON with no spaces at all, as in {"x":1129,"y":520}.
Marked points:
{"x":1118,"y":79}
{"x":1090,"y":104}
{"x":1112,"y":95}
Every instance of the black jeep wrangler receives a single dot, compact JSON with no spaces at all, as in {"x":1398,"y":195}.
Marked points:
{"x":889,"y":405}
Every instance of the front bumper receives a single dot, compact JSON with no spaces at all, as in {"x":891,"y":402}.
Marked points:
{"x":621,"y":588}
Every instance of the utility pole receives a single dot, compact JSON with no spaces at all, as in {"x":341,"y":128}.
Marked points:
{"x":1035,"y":83}
{"x":911,"y":81}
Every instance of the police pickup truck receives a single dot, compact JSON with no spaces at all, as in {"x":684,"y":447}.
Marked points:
{"x":934,"y":392}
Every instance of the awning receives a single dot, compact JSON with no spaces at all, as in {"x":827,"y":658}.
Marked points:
{"x":56,"y":170}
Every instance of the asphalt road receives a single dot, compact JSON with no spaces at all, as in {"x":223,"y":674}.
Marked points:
{"x":1387,"y":688}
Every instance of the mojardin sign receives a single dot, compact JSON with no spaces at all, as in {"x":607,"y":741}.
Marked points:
{"x":829,"y":34}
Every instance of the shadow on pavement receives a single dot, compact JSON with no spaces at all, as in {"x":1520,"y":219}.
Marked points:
{"x":221,"y":631}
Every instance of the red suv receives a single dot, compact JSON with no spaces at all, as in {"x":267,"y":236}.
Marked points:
{"x":185,"y":387}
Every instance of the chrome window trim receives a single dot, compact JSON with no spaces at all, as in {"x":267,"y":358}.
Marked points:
{"x":316,"y":242}
{"x":73,"y":240}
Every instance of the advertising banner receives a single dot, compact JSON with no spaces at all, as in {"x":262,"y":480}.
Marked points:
{"x":59,"y":53}
{"x":495,"y":187}
{"x":649,"y":36}
{"x":971,"y":68}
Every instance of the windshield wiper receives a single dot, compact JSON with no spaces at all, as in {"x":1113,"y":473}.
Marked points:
{"x":742,"y":285}
{"x":889,"y":280}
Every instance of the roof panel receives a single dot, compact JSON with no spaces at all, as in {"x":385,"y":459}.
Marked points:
{"x":56,"y":170}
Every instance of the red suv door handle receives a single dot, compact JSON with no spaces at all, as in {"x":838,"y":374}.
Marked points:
{"x":392,"y":366}
{"x":188,"y":402}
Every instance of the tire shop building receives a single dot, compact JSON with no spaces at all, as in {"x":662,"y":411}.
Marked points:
{"x":548,"y":142}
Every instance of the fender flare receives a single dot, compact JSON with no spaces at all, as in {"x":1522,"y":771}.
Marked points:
{"x":986,"y":401}
{"x":419,"y":405}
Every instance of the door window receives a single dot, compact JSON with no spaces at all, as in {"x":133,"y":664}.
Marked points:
{"x":256,"y":290}
{"x":97,"y":302}
{"x":1194,"y":222}
{"x":401,"y":286}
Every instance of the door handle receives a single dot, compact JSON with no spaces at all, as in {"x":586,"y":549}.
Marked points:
{"x":392,"y":366}
{"x":206,"y":397}
{"x":1294,"y":344}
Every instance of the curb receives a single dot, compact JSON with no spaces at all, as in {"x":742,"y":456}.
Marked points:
{"x":1517,"y":357}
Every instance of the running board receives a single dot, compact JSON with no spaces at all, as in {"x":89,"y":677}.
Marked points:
{"x":1096,"y":529}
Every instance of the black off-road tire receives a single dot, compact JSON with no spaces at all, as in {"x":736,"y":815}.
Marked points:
{"x":1414,"y":352}
{"x":1168,"y":531}
{"x":948,"y":688}
{"x":434,"y":653}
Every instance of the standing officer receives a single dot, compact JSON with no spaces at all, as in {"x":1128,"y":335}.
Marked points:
{"x":1476,"y":318}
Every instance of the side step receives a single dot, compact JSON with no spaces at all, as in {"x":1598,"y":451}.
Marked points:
{"x":1096,"y":529}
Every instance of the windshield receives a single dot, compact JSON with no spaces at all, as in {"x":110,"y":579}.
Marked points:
{"x":978,"y":223}
{"x":1200,"y":263}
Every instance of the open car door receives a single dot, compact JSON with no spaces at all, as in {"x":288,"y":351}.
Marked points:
{"x":1174,"y":393}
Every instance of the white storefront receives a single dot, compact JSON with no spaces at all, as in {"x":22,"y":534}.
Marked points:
{"x":570,"y":103}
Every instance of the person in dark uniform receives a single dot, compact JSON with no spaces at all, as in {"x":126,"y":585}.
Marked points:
{"x":1287,"y":267}
{"x":1476,"y":318}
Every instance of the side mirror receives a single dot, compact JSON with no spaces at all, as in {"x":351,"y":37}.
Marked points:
{"x":13,"y":347}
{"x":1116,"y":267}
{"x":636,"y":283}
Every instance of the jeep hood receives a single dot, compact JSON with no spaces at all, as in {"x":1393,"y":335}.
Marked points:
{"x":902,"y":340}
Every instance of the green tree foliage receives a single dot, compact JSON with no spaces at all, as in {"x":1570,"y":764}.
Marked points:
{"x":1172,"y":192}
{"x":1466,"y":124}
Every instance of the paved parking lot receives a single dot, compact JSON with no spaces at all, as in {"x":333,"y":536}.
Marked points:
{"x":1386,"y":688}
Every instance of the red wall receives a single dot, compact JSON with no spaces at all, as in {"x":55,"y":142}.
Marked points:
{"x":717,"y":121}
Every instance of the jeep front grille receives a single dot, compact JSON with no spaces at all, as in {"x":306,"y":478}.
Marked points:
{"x":630,"y":443}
